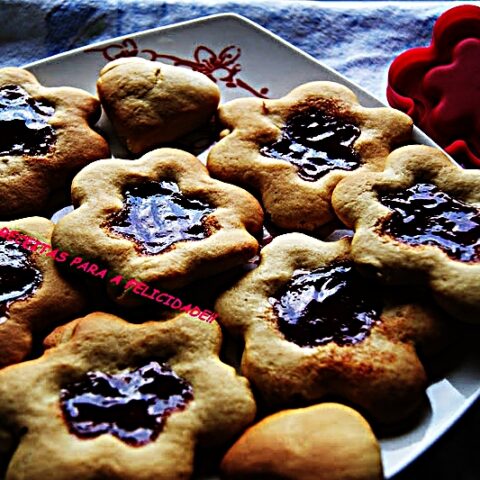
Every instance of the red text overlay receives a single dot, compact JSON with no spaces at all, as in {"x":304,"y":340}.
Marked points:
{"x":39,"y":247}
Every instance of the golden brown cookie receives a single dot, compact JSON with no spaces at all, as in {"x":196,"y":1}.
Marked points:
{"x":114,"y":400}
{"x":295,"y":149}
{"x":313,"y":327}
{"x":150,"y":103}
{"x":418,"y":222}
{"x":45,"y":138}
{"x":324,"y":442}
{"x":33,"y":295}
{"x":160,"y":219}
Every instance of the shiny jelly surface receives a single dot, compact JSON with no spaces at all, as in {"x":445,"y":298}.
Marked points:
{"x":24,"y":127}
{"x":156,"y":215}
{"x":316,"y":143}
{"x":133,"y":405}
{"x":328,"y":304}
{"x":19,"y":277}
{"x":424,"y":215}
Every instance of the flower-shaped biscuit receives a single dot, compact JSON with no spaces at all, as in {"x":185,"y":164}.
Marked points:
{"x":418,"y":222}
{"x":160,"y":219}
{"x":45,"y":138}
{"x":313,"y":327}
{"x":33,"y":295}
{"x":295,"y":149}
{"x":438,"y":85}
{"x":111,"y":399}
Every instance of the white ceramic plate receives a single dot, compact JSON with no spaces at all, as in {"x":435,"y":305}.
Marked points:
{"x":245,"y":59}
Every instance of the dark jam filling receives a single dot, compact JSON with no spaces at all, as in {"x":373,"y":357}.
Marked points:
{"x":19,"y":277}
{"x":424,"y":215}
{"x":316,"y":143}
{"x":328,"y":304}
{"x":157,"y":215}
{"x":24,"y":123}
{"x":133,"y":406}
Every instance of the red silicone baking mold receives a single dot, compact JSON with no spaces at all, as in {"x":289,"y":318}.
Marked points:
{"x":439,"y":86}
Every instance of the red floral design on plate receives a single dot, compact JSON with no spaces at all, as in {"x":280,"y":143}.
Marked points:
{"x":222,"y":67}
{"x":127,"y":48}
{"x":438,"y":86}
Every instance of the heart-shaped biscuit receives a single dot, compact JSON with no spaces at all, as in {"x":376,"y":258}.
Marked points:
{"x":323,"y":442}
{"x":150,"y":103}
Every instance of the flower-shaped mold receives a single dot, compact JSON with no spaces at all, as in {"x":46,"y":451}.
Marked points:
{"x":418,"y":222}
{"x":45,"y":138}
{"x":111,"y":399}
{"x":34,"y":297}
{"x":295,"y":149}
{"x":314,"y":328}
{"x":150,"y":103}
{"x":438,"y":85}
{"x":323,"y":442}
{"x":160,"y":219}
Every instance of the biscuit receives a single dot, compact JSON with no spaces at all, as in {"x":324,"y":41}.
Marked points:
{"x":323,"y":442}
{"x":418,"y":222}
{"x":313,"y":327}
{"x":294,"y":150}
{"x":110,"y":399}
{"x":45,"y":138}
{"x":160,"y":219}
{"x":33,"y":295}
{"x":150,"y":103}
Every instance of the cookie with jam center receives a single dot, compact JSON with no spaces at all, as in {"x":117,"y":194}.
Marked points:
{"x":314,"y":327}
{"x":110,"y":399}
{"x":150,"y":103}
{"x":46,"y":137}
{"x":161,"y":220}
{"x":34,"y":296}
{"x":418,"y":222}
{"x":295,"y":149}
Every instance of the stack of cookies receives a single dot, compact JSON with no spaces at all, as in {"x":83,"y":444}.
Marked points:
{"x":253,"y":317}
